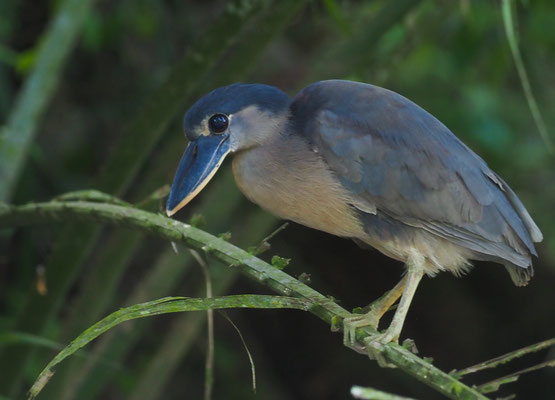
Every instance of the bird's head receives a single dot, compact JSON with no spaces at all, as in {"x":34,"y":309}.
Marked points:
{"x":227,"y":120}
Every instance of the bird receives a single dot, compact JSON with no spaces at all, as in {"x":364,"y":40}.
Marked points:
{"x":365,"y":163}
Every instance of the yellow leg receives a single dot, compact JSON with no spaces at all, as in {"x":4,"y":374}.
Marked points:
{"x":379,"y":307}
{"x":372,"y":318}
{"x":405,"y":289}
{"x":415,"y":271}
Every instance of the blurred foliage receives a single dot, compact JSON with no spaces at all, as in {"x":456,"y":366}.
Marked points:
{"x":451,"y":57}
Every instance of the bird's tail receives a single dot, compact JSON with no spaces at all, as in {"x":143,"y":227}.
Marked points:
{"x":520,"y":276}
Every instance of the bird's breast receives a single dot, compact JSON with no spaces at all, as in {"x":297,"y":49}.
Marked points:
{"x":294,"y":183}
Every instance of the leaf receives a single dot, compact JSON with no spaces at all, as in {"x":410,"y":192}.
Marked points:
{"x":280,"y":262}
{"x":162,"y":306}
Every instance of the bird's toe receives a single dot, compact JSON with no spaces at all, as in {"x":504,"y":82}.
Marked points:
{"x":351,"y":324}
{"x":374,"y":346}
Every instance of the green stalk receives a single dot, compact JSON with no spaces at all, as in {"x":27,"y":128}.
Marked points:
{"x":509,"y":24}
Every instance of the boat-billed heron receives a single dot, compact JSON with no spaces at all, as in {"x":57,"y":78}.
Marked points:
{"x":365,"y":163}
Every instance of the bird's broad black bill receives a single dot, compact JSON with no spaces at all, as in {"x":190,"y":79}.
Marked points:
{"x":198,"y":165}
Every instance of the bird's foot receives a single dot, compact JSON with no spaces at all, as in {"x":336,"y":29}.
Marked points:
{"x":374,"y":346}
{"x":352,"y":323}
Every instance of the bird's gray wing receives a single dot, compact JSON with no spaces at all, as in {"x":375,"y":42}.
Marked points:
{"x":397,"y":159}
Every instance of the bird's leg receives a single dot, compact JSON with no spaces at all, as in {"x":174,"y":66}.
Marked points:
{"x":378,"y":308}
{"x":415,"y":271}
{"x":372,"y":318}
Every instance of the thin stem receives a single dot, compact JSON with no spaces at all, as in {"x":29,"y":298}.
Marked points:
{"x":209,"y":362}
{"x":251,"y":360}
{"x":264,"y":244}
{"x":505,"y":358}
{"x":494,"y":385}
{"x":508,"y":22}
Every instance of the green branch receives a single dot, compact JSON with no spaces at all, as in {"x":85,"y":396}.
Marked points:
{"x":319,"y":305}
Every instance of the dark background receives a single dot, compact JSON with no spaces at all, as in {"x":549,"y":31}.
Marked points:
{"x":450,"y":57}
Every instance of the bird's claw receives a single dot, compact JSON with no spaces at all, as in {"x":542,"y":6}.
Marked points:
{"x":374,"y":346}
{"x":410,"y":345}
{"x":352,"y":323}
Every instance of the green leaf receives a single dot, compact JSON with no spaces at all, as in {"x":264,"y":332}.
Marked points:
{"x":225,"y":236}
{"x":162,"y":306}
{"x":198,"y":221}
{"x":280,"y":262}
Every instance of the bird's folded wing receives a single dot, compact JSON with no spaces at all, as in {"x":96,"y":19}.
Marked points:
{"x":399,"y":160}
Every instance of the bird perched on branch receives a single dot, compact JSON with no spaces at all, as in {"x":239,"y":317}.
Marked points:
{"x":365,"y":163}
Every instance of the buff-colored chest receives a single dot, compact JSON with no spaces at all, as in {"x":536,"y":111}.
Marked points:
{"x":296,"y":185}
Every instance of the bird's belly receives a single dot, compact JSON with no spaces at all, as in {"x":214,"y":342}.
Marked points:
{"x":399,"y":240}
{"x":303,"y":191}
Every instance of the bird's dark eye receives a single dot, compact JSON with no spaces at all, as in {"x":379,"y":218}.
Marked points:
{"x":218,"y":123}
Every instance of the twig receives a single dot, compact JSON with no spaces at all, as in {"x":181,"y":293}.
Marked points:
{"x":264,"y":244}
{"x":505,"y":358}
{"x":251,"y":360}
{"x":209,"y":362}
{"x":155,"y":197}
{"x":172,"y":230}
{"x":494,"y":385}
